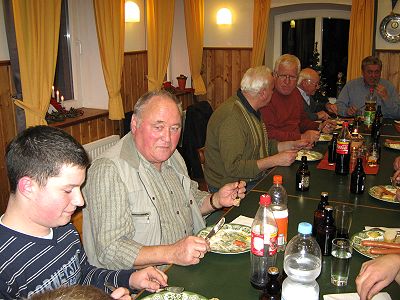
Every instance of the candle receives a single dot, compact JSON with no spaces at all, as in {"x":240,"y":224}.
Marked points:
{"x":62,"y":99}
{"x":52,"y":92}
{"x":58,"y":96}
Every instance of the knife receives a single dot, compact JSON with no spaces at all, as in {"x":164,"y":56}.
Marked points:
{"x":215,"y":229}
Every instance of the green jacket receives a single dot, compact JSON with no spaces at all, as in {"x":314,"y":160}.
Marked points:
{"x":236,"y":139}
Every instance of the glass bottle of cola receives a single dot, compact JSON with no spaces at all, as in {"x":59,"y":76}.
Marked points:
{"x":342,"y":166}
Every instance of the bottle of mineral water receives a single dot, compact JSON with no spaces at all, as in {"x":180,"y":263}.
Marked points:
{"x":302,"y":264}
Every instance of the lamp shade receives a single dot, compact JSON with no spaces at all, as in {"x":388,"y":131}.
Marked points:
{"x":224,"y":16}
{"x":132,"y":12}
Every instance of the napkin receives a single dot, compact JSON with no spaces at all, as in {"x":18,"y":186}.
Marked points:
{"x":243,"y":220}
{"x":381,"y":228}
{"x":354,"y":296}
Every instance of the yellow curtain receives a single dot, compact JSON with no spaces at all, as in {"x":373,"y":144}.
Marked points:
{"x":110,"y":24}
{"x":194,"y":23}
{"x":360,"y":35}
{"x":260,"y":31}
{"x":37,"y":25}
{"x":160,"y":22}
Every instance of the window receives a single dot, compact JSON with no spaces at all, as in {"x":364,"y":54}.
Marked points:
{"x":329,"y":28}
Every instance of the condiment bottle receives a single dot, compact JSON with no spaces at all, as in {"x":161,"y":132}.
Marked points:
{"x":303,"y":176}
{"x":370,"y":108}
{"x":326,"y":231}
{"x":319,"y":213}
{"x":332,"y":149}
{"x":357,"y":183}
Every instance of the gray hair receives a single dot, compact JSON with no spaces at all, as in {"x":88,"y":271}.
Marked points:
{"x":287,"y":60}
{"x":146,"y":98}
{"x":371,"y":60}
{"x":255,"y":79}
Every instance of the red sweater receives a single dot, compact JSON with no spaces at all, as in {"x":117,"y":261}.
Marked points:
{"x":285,"y":117}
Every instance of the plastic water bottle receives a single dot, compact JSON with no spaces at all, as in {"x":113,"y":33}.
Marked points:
{"x":279,"y":208}
{"x":302,"y":264}
{"x":264,"y":233}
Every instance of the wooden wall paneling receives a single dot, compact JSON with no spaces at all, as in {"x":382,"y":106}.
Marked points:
{"x":236,"y":68}
{"x":101,"y":125}
{"x":227,"y":87}
{"x":85,"y":133}
{"x":93,"y":130}
{"x":390,"y":66}
{"x":222,"y":71}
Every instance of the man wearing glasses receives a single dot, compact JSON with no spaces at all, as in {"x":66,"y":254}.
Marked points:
{"x":308,"y":84}
{"x":284,"y":116}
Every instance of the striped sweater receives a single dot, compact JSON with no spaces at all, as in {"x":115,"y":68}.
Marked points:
{"x":30,"y":265}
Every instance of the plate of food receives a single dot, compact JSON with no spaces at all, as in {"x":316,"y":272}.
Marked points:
{"x":325,"y":137}
{"x":165,"y":295}
{"x":376,"y":242}
{"x":230,"y":239}
{"x":392,"y":144}
{"x":311,"y":155}
{"x":385,"y":193}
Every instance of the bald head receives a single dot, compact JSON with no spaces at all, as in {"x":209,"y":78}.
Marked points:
{"x":308,"y":81}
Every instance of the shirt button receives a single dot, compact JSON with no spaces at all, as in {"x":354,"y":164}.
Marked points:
{"x":191,"y":201}
{"x":177,"y":212}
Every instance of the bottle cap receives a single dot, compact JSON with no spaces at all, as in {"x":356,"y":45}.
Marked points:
{"x":273,"y":270}
{"x":304,"y":158}
{"x":345,"y":124}
{"x":277,"y":179}
{"x":304,"y":228}
{"x":328,"y":207}
{"x":265,"y":199}
{"x":324,"y":194}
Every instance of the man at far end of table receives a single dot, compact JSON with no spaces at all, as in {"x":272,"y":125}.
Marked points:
{"x":351,"y":100}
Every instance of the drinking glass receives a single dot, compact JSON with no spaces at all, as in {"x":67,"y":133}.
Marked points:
{"x":343,"y":220}
{"x":373,"y":156}
{"x":340,"y":262}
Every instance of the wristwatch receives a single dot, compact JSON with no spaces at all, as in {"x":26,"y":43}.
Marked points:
{"x":390,"y":28}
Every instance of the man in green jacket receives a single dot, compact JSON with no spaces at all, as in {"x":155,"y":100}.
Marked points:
{"x":237,"y":145}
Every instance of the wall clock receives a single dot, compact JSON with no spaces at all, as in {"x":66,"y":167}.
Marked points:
{"x":390,"y":28}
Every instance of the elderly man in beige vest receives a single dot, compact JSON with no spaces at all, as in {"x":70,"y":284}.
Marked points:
{"x":142,"y":207}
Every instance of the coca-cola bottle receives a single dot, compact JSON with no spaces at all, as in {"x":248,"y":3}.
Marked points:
{"x":342,"y":166}
{"x":319,"y":213}
{"x":264,"y":234}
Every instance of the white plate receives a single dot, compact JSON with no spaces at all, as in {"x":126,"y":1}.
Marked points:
{"x":231,"y":239}
{"x":173,"y":296}
{"x":374,"y":192}
{"x":397,"y":121}
{"x":311,"y":155}
{"x":370,"y":235}
{"x":390,"y":145}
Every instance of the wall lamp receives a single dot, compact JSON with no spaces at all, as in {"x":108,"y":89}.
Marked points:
{"x":132,"y":12}
{"x":224,"y":16}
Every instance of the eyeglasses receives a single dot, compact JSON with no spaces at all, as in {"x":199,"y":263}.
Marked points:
{"x":287,"y":77}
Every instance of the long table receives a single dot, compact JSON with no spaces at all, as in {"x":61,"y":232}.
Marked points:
{"x":227,"y":276}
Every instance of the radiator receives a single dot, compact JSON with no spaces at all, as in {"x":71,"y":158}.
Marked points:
{"x":94,"y":149}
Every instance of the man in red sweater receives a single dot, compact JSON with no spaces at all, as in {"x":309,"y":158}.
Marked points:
{"x":284,"y":116}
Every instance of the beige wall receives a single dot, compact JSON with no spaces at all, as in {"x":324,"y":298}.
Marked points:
{"x":239,"y":34}
{"x":135,"y":33}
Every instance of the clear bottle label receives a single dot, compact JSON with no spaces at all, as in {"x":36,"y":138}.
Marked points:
{"x":304,"y":182}
{"x":342,"y":147}
{"x":281,"y":218}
